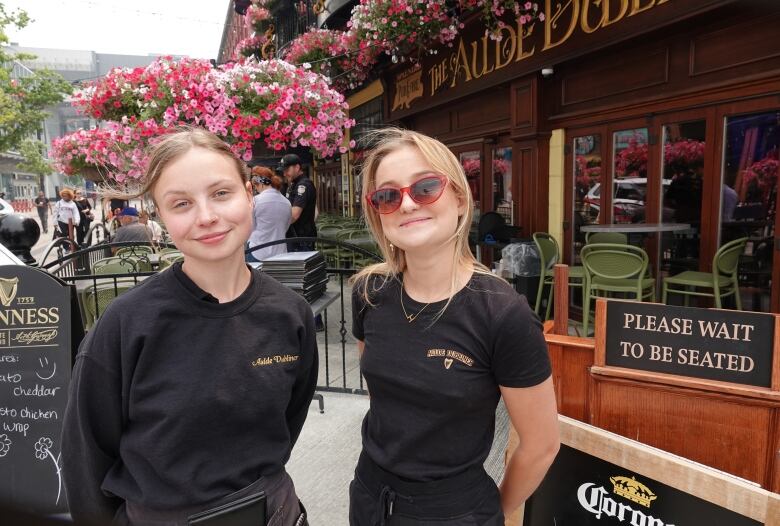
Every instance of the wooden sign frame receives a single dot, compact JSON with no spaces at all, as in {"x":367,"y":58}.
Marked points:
{"x":601,"y":367}
{"x":717,"y":487}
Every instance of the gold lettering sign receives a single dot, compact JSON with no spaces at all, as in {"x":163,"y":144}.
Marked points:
{"x":408,"y":87}
{"x":482,"y":56}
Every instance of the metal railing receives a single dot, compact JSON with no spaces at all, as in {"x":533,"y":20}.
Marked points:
{"x":339,"y":364}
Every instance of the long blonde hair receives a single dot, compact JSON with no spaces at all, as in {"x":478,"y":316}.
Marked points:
{"x":444,"y":162}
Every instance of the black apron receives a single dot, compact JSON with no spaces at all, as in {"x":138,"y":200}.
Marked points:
{"x":283,"y":506}
{"x":379,"y":498}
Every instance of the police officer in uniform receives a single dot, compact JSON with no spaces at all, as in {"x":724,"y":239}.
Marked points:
{"x":303,"y":199}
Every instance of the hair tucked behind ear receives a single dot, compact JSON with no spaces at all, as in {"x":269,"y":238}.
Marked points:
{"x":443,"y":161}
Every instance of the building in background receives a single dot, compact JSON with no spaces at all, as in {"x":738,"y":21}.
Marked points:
{"x":75,"y":66}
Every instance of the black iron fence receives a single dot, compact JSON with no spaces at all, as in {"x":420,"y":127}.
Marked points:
{"x":104,"y":271}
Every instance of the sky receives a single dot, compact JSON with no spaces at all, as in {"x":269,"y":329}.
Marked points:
{"x":134,"y":27}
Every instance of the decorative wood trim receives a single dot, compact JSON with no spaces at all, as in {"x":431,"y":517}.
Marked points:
{"x":686,"y":382}
{"x":661,"y":80}
{"x":754,"y":86}
{"x":600,"y":331}
{"x":776,"y":358}
{"x":748,"y":28}
{"x":695,"y":479}
{"x":561,"y":302}
{"x":569,"y":341}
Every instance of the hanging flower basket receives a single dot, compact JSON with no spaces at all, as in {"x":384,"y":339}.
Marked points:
{"x":91,"y":173}
{"x":273,"y":101}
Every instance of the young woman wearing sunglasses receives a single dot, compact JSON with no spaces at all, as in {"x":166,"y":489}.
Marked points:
{"x":441,"y":340}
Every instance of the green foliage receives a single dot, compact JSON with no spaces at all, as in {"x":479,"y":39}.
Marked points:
{"x":34,"y":161}
{"x":23,"y":101}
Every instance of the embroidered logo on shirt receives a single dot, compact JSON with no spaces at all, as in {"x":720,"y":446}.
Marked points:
{"x":274,"y":360}
{"x":450,"y":356}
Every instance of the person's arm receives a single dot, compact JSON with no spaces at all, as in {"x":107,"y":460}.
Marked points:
{"x":300,"y":201}
{"x":92,"y":431}
{"x":306,"y":380}
{"x":521,"y":367}
{"x":534,"y":415}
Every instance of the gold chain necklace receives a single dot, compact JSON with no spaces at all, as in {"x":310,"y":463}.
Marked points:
{"x":411,"y":317}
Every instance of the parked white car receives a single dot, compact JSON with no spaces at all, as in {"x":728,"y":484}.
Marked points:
{"x":628,"y":203}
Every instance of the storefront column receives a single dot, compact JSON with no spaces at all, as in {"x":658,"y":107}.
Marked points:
{"x":556,"y":186}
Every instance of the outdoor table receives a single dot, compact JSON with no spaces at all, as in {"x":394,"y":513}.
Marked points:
{"x":637,"y":228}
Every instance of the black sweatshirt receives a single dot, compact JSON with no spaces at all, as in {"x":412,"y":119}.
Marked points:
{"x":177,"y":401}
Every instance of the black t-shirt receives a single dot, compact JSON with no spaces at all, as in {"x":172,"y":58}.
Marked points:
{"x":177,"y":401}
{"x":41,"y":202}
{"x":303,"y":194}
{"x":435,"y":385}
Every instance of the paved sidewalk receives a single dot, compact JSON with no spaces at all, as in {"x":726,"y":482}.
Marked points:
{"x":324,"y":459}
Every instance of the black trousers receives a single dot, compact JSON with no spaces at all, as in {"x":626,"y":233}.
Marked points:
{"x":44,"y":217}
{"x":379,"y":498}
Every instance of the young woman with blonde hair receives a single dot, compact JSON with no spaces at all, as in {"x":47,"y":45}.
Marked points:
{"x":441,"y":340}
{"x":192,"y":388}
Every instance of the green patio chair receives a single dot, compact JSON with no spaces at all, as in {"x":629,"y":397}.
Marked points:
{"x":168,"y":259}
{"x":96,"y":298}
{"x":141,"y":262}
{"x":611,"y":268}
{"x":364,"y":240}
{"x":114,"y":265}
{"x":330,"y":252}
{"x":722,"y":281}
{"x":135,"y":250}
{"x":169,"y":250}
{"x":606,"y":237}
{"x":549,"y":255}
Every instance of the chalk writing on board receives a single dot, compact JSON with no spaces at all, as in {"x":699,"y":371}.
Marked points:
{"x":43,"y":452}
{"x":5,"y":445}
{"x":45,"y":367}
{"x":36,"y":347}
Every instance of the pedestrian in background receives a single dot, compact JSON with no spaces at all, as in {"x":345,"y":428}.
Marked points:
{"x":441,"y":339}
{"x":272,"y":214}
{"x":302,"y":195}
{"x":85,"y":216}
{"x":43,"y":206}
{"x":66,"y":215}
{"x":155,"y":230}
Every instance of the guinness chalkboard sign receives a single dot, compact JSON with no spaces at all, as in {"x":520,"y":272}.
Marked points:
{"x":583,"y":490}
{"x":726,"y":345}
{"x":35,"y":361}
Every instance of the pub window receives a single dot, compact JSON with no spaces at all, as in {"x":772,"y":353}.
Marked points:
{"x":749,"y":175}
{"x":367,"y":117}
{"x":587,"y":187}
{"x":472,"y":166}
{"x":682,"y":193}
{"x":629,"y":191}
{"x":503,"y":200}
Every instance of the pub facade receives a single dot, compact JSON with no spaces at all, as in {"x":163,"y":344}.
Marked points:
{"x":619,"y":111}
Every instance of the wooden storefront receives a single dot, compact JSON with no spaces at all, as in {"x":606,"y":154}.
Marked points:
{"x":647,"y":111}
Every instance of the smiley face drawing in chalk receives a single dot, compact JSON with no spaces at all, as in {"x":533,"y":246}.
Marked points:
{"x":45,"y":368}
{"x":5,"y":445}
{"x":43,"y":451}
